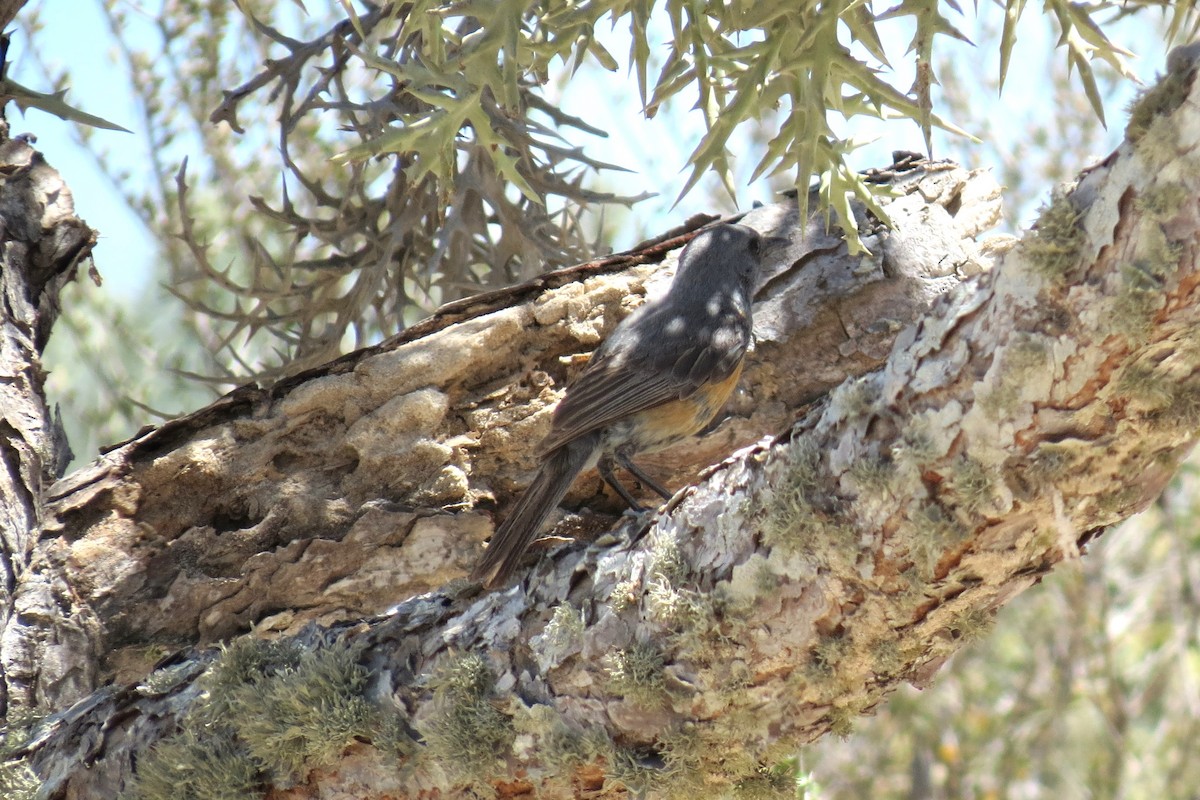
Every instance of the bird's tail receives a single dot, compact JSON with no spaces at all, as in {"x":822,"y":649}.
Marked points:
{"x":513,"y":537}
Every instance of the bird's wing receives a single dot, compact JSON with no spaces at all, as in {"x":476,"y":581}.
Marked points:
{"x":611,"y":388}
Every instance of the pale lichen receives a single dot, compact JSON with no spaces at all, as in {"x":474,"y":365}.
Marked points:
{"x":267,"y":711}
{"x":466,"y":734}
{"x":637,"y":674}
{"x":1054,"y":245}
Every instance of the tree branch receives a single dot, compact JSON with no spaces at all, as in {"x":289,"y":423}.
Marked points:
{"x":42,"y":243}
{"x":790,"y":590}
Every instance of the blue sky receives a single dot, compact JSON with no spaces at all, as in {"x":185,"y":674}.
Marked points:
{"x":75,"y":34}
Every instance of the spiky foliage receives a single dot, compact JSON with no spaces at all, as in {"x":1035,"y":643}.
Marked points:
{"x":366,"y":168}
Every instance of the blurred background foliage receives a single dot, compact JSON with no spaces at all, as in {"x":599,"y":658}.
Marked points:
{"x":312,"y":177}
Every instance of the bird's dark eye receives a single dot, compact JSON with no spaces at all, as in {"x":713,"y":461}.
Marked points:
{"x":755,"y":245}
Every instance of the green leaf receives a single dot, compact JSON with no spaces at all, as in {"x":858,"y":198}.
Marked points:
{"x":496,"y":148}
{"x":861,"y":24}
{"x":1088,"y":78}
{"x":54,"y":103}
{"x":675,"y":74}
{"x":430,"y":137}
{"x":603,"y":57}
{"x":639,"y":45}
{"x":764,"y":13}
{"x":1008,"y":36}
{"x":352,"y":14}
{"x":1101,"y":46}
{"x":1182,"y":13}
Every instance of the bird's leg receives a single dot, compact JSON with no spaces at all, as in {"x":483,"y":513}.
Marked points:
{"x":625,"y":461}
{"x":605,"y":466}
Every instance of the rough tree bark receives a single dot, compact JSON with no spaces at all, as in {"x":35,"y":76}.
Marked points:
{"x":42,"y":243}
{"x":785,"y":592}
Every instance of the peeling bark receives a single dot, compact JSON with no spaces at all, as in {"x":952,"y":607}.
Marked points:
{"x":784,"y":593}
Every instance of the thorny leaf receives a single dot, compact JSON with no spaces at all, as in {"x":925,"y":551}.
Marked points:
{"x":52,"y":103}
{"x":396,"y":103}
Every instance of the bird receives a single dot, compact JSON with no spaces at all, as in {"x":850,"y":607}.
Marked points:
{"x":660,"y":377}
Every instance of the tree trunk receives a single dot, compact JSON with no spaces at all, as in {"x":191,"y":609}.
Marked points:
{"x":784,"y":592}
{"x":41,"y":244}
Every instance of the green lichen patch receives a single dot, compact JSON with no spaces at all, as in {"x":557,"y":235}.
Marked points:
{"x":696,"y":761}
{"x":466,"y":735}
{"x":242,"y":664}
{"x":858,"y":396}
{"x":564,"y":631}
{"x":683,"y":610}
{"x":1114,"y":506}
{"x":1162,"y":201}
{"x":698,"y":620}
{"x":393,"y":736}
{"x":929,"y":531}
{"x":17,"y":780}
{"x":872,"y":476}
{"x":688,"y":762}
{"x":974,"y":484}
{"x":1053,"y":462}
{"x":1146,"y":386}
{"x":918,"y":448}
{"x":1155,"y":101}
{"x":793,"y":524}
{"x":307,"y":715}
{"x":1165,"y":401}
{"x":163,"y":681}
{"x":197,"y":765}
{"x":841,"y":721}
{"x":684,"y":752}
{"x":637,"y":674}
{"x":559,"y":746}
{"x":827,"y":655}
{"x":1183,"y":412}
{"x":1138,"y":299}
{"x":639,"y":770}
{"x":970,"y":625}
{"x":666,"y":559}
{"x":1020,"y":363}
{"x":804,"y":465}
{"x":790,"y":521}
{"x":1054,"y":245}
{"x":268,"y":712}
{"x":780,"y":781}
{"x":624,"y":594}
{"x":885,"y":653}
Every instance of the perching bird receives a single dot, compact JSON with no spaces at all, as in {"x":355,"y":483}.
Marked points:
{"x":661,"y":376}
